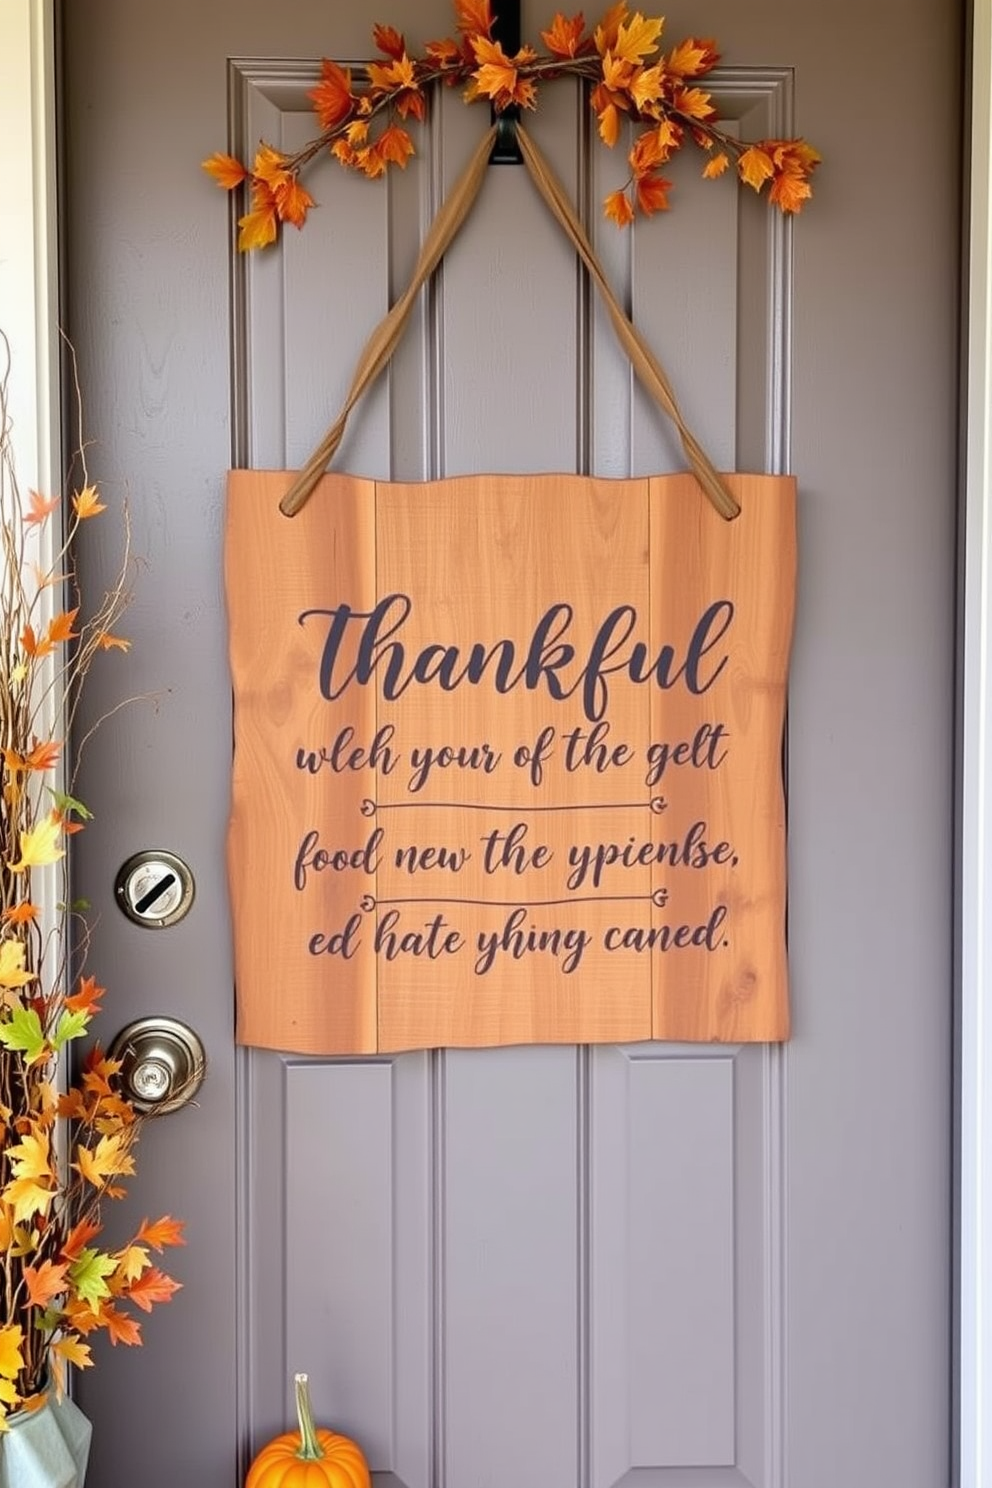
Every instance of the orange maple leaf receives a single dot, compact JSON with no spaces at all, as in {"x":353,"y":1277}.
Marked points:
{"x":161,"y":1232}
{"x":616,"y":72}
{"x":60,"y":627}
{"x":87,"y":503}
{"x":618,"y":208}
{"x":292,"y":205}
{"x":564,"y":37}
{"x":411,"y":102}
{"x":649,"y":149}
{"x":78,"y":1238}
{"x":370,"y":161}
{"x":754,"y":166}
{"x":32,"y":645}
{"x":21,"y":914}
{"x":609,"y":125}
{"x":443,"y":53}
{"x":789,"y":190}
{"x":497,"y":77}
{"x":226,"y":171}
{"x":474,"y":17}
{"x":72,"y":1106}
{"x":692,"y":58}
{"x":652,"y":194}
{"x":389,"y":41}
{"x":41,"y":507}
{"x":608,"y":105}
{"x":605,"y":35}
{"x":716,"y":166}
{"x":107,"y":642}
{"x":45,"y":1281}
{"x":120,"y":1328}
{"x":395,"y":145}
{"x":396,"y":74}
{"x":87,"y":998}
{"x":332,"y":98}
{"x":154,"y":1286}
{"x":44,"y":755}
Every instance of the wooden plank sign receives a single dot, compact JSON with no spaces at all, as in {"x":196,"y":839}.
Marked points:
{"x":508,"y":761}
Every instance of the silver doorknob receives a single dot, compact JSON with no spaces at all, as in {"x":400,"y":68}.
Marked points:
{"x":162,"y":1063}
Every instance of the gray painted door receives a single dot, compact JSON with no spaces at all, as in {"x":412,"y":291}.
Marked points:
{"x":544,"y":1268}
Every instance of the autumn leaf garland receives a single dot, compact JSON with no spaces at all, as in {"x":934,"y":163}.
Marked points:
{"x":630,"y":76}
{"x":60,"y":1283}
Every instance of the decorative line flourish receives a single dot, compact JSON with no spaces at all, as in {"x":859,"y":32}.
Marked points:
{"x":657,"y":804}
{"x":368,"y":903}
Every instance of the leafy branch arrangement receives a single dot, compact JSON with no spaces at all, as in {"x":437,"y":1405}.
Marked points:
{"x":622,"y":60}
{"x":57,"y":1285}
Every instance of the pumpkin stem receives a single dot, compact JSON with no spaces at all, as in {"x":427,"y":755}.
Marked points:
{"x":310,"y":1449}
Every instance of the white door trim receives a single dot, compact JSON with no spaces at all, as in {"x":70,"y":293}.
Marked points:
{"x":29,"y":315}
{"x":29,"y":235}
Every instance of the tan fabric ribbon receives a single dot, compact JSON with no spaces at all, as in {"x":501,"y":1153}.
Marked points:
{"x":382,"y":343}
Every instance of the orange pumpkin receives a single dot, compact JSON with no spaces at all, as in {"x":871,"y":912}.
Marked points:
{"x":310,"y":1457}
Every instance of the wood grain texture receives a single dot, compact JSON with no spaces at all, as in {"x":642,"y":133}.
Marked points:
{"x":288,"y":998}
{"x":572,"y":826}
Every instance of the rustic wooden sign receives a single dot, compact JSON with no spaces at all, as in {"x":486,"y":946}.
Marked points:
{"x":508,"y":761}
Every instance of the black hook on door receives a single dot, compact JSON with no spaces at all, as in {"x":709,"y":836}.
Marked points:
{"x":506,"y":31}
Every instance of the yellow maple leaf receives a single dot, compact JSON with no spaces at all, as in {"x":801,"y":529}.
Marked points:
{"x":755,"y":167}
{"x":134,"y":1262}
{"x":716,"y":166}
{"x":647,"y":85}
{"x":71,"y":1348}
{"x":257,"y":228}
{"x":40,"y":845}
{"x":27,"y":1198}
{"x":110,"y":1156}
{"x":87,"y":503}
{"x":31,"y":1157}
{"x":11,"y":1358}
{"x":638,"y":37}
{"x":12,"y":973}
{"x":694,"y":103}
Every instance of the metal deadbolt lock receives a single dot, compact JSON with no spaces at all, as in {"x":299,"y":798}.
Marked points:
{"x":155,"y":889}
{"x":162,"y":1063}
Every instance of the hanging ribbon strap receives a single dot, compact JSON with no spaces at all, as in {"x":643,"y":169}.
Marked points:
{"x":381,"y":344}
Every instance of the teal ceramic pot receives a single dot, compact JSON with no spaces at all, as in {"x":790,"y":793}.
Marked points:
{"x":46,"y":1448}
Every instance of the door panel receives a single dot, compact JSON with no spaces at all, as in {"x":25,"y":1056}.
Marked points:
{"x":655,"y":1265}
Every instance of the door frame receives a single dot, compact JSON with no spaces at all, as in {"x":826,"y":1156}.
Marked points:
{"x":29,"y":273}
